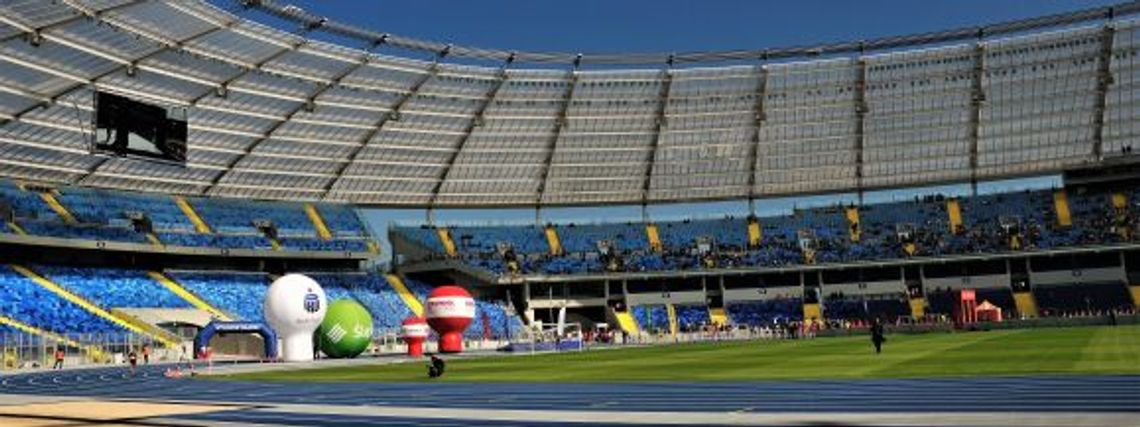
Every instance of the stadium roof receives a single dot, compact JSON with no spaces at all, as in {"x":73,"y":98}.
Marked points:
{"x":276,"y":115}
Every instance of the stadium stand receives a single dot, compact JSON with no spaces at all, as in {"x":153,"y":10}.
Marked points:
{"x":25,"y":301}
{"x":114,"y":288}
{"x":286,"y":132}
{"x":995,"y":223}
{"x":230,"y":292}
{"x":765,"y":312}
{"x":104,"y":215}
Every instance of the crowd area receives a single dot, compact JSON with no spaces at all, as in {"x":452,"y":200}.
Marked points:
{"x":141,"y":218}
{"x":923,"y":227}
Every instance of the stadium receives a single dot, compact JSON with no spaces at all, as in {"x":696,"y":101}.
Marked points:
{"x":926,"y":229}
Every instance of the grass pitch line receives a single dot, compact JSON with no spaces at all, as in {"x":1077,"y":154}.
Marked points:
{"x":1059,"y":351}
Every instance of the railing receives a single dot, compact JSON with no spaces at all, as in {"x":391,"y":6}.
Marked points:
{"x":23,"y":351}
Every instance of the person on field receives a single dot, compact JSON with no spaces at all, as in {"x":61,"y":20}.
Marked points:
{"x":59,"y":354}
{"x":877,"y":337}
{"x":133,"y":359}
{"x":146,"y":354}
{"x":435,"y":369}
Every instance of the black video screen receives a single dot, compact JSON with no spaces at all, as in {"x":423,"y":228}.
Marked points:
{"x":129,"y":128}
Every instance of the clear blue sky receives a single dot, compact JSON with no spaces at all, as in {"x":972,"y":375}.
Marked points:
{"x":670,"y":25}
{"x":665,"y":26}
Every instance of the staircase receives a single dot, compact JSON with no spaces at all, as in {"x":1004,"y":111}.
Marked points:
{"x":446,"y":240}
{"x":152,"y":330}
{"x":406,"y":294}
{"x":52,"y":202}
{"x":812,"y":311}
{"x":154,"y":240}
{"x":626,"y":322}
{"x":917,"y":307}
{"x":954,"y":213}
{"x":552,"y":240}
{"x":62,"y":292}
{"x":853,"y":227}
{"x":318,"y":222}
{"x":1119,"y":201}
{"x":754,"y":235}
{"x":1061,"y":205}
{"x":1026,"y":304}
{"x":654,"y":237}
{"x":809,"y":255}
{"x":94,"y":353}
{"x":16,"y":228}
{"x":191,"y":214}
{"x":672,"y":312}
{"x":190,"y":297}
{"x":910,"y":248}
{"x":718,"y":316}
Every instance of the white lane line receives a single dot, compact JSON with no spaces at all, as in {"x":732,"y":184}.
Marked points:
{"x":999,"y":418}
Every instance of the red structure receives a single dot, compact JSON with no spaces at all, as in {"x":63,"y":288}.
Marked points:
{"x":987,"y":312}
{"x":450,"y":310}
{"x":415,"y":332}
{"x":965,"y":308}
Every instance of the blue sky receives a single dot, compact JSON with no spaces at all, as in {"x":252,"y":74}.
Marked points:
{"x":666,"y":26}
{"x":670,"y":25}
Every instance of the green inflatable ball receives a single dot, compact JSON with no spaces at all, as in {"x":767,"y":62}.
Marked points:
{"x":346,"y":330}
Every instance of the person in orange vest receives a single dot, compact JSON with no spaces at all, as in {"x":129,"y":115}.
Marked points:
{"x":59,"y":354}
{"x":146,"y":354}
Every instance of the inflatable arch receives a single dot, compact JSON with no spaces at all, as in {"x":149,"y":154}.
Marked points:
{"x":218,"y":327}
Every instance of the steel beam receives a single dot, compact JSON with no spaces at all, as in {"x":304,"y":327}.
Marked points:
{"x":432,"y":70}
{"x":552,"y":144}
{"x":977,"y":99}
{"x":476,"y":121}
{"x":861,"y":111}
{"x":651,"y":157}
{"x":1103,"y":81}
{"x":759,"y":117}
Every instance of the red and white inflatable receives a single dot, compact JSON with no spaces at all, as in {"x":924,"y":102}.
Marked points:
{"x":449,"y":312}
{"x":415,"y":331}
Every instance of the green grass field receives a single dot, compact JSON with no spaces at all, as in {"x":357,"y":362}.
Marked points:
{"x":1087,"y":350}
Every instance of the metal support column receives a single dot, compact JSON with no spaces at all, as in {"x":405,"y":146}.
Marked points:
{"x":476,"y":121}
{"x":560,"y":124}
{"x":661,"y":122}
{"x":977,"y":99}
{"x":759,"y":117}
{"x":378,"y":126}
{"x":860,"y":122}
{"x":1103,"y":81}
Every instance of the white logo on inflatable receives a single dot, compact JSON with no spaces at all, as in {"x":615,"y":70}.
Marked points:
{"x":419,"y":330}
{"x":447,"y":307}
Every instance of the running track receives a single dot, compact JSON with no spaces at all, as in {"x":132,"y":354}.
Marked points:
{"x":1044,"y":394}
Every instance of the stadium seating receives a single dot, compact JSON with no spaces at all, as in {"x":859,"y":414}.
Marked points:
{"x":114,"y":288}
{"x":103,"y":215}
{"x":237,"y":216}
{"x":25,"y":301}
{"x":690,"y":317}
{"x":342,"y":221}
{"x":1083,"y":299}
{"x":765,"y":312}
{"x":653,"y":318}
{"x":238,"y":294}
{"x":372,"y":291}
{"x":993,"y":223}
{"x":94,"y":206}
